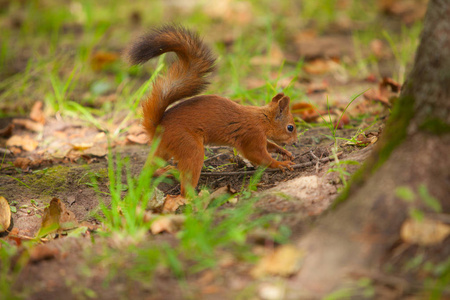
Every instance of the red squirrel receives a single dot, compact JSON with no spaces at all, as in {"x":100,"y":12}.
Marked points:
{"x":207,"y":119}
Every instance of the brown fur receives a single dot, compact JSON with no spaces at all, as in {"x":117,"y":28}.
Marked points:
{"x":209,"y":119}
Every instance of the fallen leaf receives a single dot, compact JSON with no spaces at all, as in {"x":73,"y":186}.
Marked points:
{"x":29,"y":124}
{"x":320,"y":66}
{"x":235,"y":12}
{"x":233,"y":200}
{"x":100,"y":59}
{"x":425,"y":232}
{"x":317,"y":88}
{"x":22,"y":162}
{"x":387,"y":89}
{"x":57,"y":218}
{"x":36,"y":113}
{"x":138,"y":139}
{"x":307,"y":112}
{"x":222,"y":191}
{"x":344,"y":120}
{"x":42,"y":252}
{"x":5,"y":215}
{"x":15,"y":238}
{"x":408,"y":11}
{"x":169,"y":223}
{"x":371,"y":78}
{"x":172,"y":203}
{"x":270,"y":291}
{"x":365,"y":140}
{"x":7,"y":131}
{"x":375,"y":95}
{"x":96,"y":151}
{"x":283,"y":261}
{"x":24,"y":142}
{"x":81,"y":146}
{"x":394,"y":85}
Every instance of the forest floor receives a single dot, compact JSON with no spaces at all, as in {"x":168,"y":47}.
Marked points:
{"x":86,"y":223}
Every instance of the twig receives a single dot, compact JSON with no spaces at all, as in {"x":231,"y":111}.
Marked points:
{"x":313,"y":155}
{"x":249,"y":172}
{"x":5,"y":151}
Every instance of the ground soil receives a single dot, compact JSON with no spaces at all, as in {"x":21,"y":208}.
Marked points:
{"x":69,"y":181}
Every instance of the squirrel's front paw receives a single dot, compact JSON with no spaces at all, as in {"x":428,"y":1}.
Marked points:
{"x":285,"y":153}
{"x":288,"y":155}
{"x":282,"y":165}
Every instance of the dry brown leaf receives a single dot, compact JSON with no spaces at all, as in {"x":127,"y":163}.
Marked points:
{"x":138,"y":139}
{"x":15,"y":238}
{"x":5,"y":214}
{"x":236,"y":12}
{"x":96,"y":151}
{"x":364,"y":141}
{"x":169,"y":223}
{"x":225,"y":190}
{"x":307,"y":112}
{"x":136,"y":129}
{"x":22,"y":162}
{"x":29,"y":124}
{"x":408,"y":11}
{"x":82,"y":146}
{"x":344,"y":120}
{"x":306,"y":34}
{"x":172,"y":203}
{"x":283,"y":261}
{"x":426,"y":232}
{"x":387,"y":88}
{"x":57,"y":218}
{"x":24,"y":142}
{"x":36,"y":113}
{"x":320,"y":66}
{"x":317,"y":88}
{"x":7,"y":131}
{"x":375,"y":95}
{"x":394,"y":85}
{"x":42,"y":252}
{"x":100,"y":59}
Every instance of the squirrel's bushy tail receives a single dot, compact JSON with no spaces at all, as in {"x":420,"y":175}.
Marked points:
{"x":185,"y":78}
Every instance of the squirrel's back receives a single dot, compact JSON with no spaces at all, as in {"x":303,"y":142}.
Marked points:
{"x":185,"y":78}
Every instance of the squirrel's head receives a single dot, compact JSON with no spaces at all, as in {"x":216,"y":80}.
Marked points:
{"x":282,"y":128}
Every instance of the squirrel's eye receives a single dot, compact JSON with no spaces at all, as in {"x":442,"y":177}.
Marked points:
{"x":290,"y":128}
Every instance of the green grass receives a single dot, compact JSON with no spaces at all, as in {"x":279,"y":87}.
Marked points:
{"x":59,"y":48}
{"x":47,"y":56}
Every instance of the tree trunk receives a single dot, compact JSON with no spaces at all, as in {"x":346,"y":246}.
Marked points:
{"x":414,"y":150}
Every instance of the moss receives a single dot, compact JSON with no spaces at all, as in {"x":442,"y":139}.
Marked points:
{"x":394,"y":134}
{"x":435,"y":126}
{"x":49,"y":181}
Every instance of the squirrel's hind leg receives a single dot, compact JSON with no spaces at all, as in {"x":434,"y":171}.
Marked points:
{"x":190,"y":164}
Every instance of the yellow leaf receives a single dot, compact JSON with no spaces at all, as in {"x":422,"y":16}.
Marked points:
{"x":5,"y":214}
{"x":284,"y":261}
{"x":170,"y":224}
{"x":426,"y":232}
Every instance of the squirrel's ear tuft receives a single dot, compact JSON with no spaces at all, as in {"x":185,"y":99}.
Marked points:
{"x":283,"y":104}
{"x":277,"y":97}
